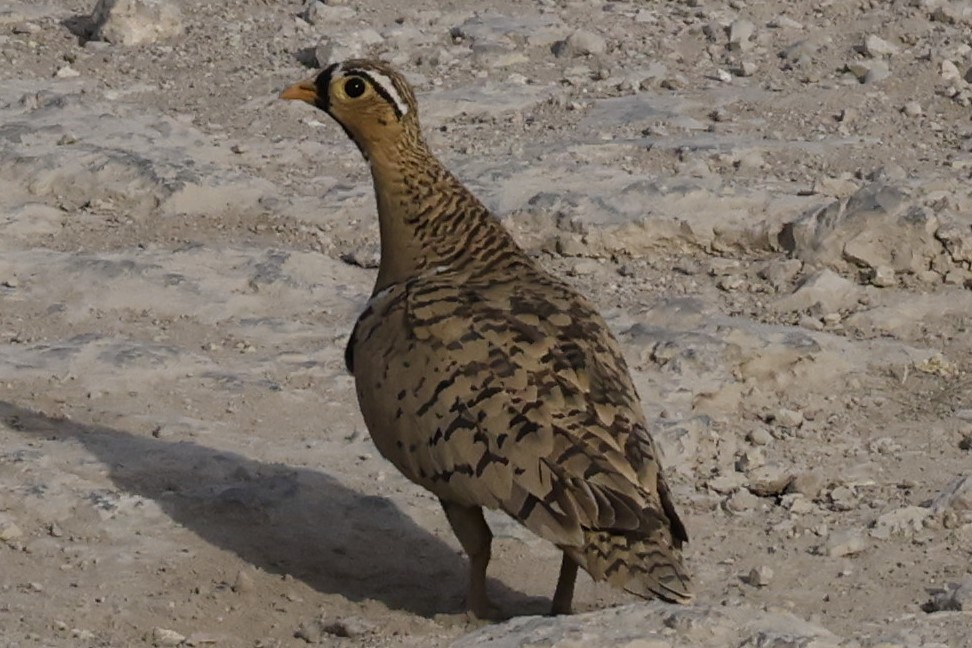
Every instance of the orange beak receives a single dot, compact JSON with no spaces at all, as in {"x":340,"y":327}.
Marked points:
{"x":303,"y":91}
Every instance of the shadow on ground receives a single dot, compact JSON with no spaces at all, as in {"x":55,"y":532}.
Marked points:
{"x":283,"y":520}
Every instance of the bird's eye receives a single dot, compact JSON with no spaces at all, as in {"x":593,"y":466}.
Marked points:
{"x":354,"y":87}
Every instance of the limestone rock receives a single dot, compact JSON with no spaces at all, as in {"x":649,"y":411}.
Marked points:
{"x":741,"y":33}
{"x":955,"y":501}
{"x":957,"y":240}
{"x":135,"y":22}
{"x":580,"y":43}
{"x":902,"y":522}
{"x":845,"y":543}
{"x":655,"y":624}
{"x":956,"y":598}
{"x":166,"y":637}
{"x":875,"y":227}
{"x":769,"y":480}
{"x":825,"y":289}
{"x":876,"y":47}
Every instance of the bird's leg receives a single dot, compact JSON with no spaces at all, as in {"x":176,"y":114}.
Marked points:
{"x":564,"y":594}
{"x":475,"y":537}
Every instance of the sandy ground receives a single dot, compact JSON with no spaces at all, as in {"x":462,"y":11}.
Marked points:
{"x":771,"y":207}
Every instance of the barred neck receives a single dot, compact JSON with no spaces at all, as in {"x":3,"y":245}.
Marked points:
{"x":429,"y":219}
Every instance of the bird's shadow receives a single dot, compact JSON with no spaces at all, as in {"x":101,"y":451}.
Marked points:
{"x":283,"y":520}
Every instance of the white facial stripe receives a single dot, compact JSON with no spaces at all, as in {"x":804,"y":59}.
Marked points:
{"x":386,"y":84}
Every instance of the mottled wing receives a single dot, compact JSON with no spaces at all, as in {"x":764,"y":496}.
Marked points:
{"x":515,"y":396}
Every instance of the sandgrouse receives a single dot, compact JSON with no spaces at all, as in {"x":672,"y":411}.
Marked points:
{"x":487,"y":380}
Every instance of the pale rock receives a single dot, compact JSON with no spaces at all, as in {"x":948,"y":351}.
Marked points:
{"x":957,"y":277}
{"x":656,"y":624}
{"x":824,"y":289}
{"x":867,"y":252}
{"x":784,"y":22}
{"x":846,"y":542}
{"x":952,"y":12}
{"x":311,"y":632}
{"x":742,"y":501}
{"x":780,"y":273}
{"x":67,"y":72}
{"x":320,"y":13}
{"x":869,"y":71}
{"x":885,"y":446}
{"x":903,"y":522}
{"x":797,"y":504}
{"x":741,"y":33}
{"x":580,"y":43}
{"x":956,"y":238}
{"x":584,"y":267}
{"x":883,"y":277}
{"x":501,"y":31}
{"x":166,"y":637}
{"x":727,"y":483}
{"x":759,"y":437}
{"x":571,"y":245}
{"x":802,"y":52}
{"x":9,"y":529}
{"x":876,"y":47}
{"x":244,"y":583}
{"x":877,"y":70}
{"x":877,"y":226}
{"x":843,"y":498}
{"x":950,"y":71}
{"x":350,"y":627}
{"x":750,"y":459}
{"x":679,"y":444}
{"x":912,"y":109}
{"x":955,"y":501}
{"x":811,"y":323}
{"x":788,"y":418}
{"x":760,"y":576}
{"x":747,"y":68}
{"x":135,"y":22}
{"x":715,"y":30}
{"x":839,"y":187}
{"x":769,"y":480}
{"x":956,"y":598}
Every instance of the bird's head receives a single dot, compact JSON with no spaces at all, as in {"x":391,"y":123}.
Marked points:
{"x":372,"y":102}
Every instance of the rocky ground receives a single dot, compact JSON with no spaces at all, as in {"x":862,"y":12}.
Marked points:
{"x":770,"y":201}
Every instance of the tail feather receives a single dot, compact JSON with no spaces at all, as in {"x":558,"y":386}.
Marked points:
{"x":649,"y":567}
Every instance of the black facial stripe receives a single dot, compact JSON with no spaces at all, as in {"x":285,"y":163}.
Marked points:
{"x":323,"y":83}
{"x":380,"y":90}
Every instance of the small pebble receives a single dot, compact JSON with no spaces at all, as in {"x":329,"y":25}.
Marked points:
{"x":67,"y":72}
{"x":846,"y":542}
{"x":769,"y":480}
{"x":788,"y":418}
{"x":244,"y":583}
{"x":166,"y":637}
{"x":741,"y":501}
{"x":876,"y":47}
{"x":740,"y":34}
{"x":760,"y":437}
{"x":912,"y":109}
{"x":760,"y":576}
{"x":950,"y":71}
